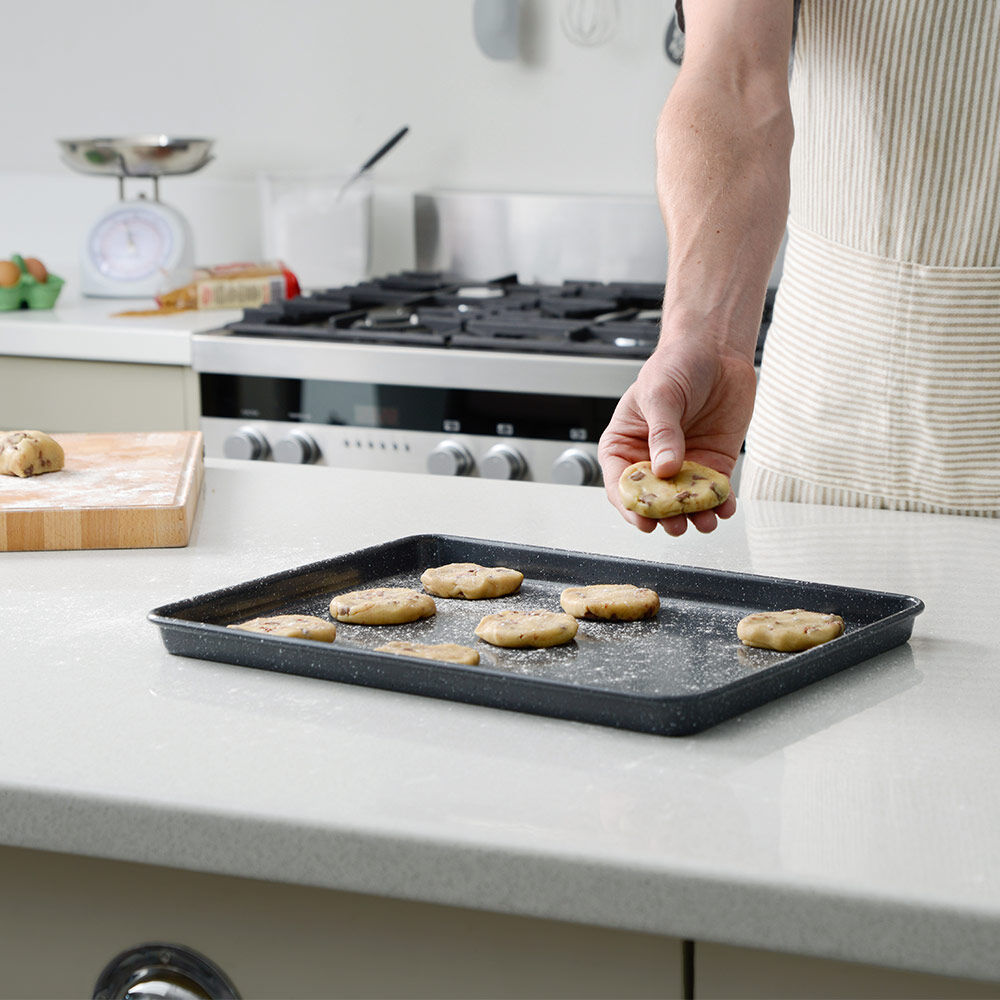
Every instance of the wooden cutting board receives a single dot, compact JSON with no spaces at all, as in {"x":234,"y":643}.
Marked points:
{"x":116,"y":491}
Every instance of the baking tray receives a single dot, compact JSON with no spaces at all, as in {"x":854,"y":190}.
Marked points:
{"x":678,"y":673}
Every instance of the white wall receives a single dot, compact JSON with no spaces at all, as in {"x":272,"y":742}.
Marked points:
{"x":311,"y":84}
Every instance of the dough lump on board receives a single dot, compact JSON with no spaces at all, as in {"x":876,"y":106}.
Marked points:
{"x":696,"y":487}
{"x":382,"y":606}
{"x":535,"y":629}
{"x":29,"y":453}
{"x":789,"y":631}
{"x":450,"y":651}
{"x":610,"y":601}
{"x":291,"y":627}
{"x":471,"y":581}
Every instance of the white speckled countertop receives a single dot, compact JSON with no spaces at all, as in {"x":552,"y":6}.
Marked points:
{"x":857,"y":818}
{"x":86,"y":329}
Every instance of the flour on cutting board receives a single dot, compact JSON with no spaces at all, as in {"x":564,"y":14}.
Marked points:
{"x":107,"y":471}
{"x":92,"y":487}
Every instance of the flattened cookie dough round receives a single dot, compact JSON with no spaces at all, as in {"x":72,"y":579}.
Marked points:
{"x":696,"y":487}
{"x":536,"y":629}
{"x":471,"y":581}
{"x":621,"y":602}
{"x":291,"y":627}
{"x":450,"y":651}
{"x":789,"y":631}
{"x":382,"y":606}
{"x":29,"y":453}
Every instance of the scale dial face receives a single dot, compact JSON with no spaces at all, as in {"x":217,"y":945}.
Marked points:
{"x":132,"y":243}
{"x":136,"y":249}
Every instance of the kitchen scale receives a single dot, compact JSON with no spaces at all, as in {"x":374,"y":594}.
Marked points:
{"x":138,"y":247}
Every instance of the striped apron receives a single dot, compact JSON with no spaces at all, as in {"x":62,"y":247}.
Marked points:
{"x":880,"y":379}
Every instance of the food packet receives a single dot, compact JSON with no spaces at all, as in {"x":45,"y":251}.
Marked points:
{"x":241,"y":285}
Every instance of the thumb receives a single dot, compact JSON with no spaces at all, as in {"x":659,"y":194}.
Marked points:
{"x":666,"y":445}
{"x":662,"y":402}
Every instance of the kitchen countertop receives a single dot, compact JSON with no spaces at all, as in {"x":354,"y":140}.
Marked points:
{"x":855,"y":819}
{"x":85,"y":329}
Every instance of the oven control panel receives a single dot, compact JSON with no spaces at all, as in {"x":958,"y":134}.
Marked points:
{"x":494,"y":434}
{"x":531,"y":460}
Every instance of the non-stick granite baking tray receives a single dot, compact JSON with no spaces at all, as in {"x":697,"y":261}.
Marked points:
{"x":675,"y":674}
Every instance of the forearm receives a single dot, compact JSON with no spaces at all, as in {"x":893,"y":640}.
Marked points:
{"x":723,"y":147}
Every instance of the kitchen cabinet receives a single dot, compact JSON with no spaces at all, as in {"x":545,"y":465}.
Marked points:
{"x":726,"y":972}
{"x":62,"y":918}
{"x":81,"y":367}
{"x":62,"y":394}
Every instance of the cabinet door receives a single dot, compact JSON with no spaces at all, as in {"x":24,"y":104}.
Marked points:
{"x":56,"y":394}
{"x":63,"y":918}
{"x":723,"y":971}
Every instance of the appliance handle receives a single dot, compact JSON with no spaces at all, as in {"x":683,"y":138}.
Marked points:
{"x":163,"y":972}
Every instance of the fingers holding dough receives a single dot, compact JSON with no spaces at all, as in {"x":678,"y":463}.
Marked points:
{"x":695,"y":488}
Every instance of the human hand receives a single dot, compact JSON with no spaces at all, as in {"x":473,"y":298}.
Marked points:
{"x":688,"y":401}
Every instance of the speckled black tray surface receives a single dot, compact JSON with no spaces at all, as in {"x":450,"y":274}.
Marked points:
{"x":675,"y":674}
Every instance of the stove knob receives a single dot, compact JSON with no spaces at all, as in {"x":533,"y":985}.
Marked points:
{"x":296,"y":448}
{"x":575,"y":468}
{"x":503,"y":462}
{"x":246,"y":443}
{"x":449,"y":459}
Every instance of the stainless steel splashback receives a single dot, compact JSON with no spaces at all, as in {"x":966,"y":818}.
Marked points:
{"x":544,"y":237}
{"x":541,"y":237}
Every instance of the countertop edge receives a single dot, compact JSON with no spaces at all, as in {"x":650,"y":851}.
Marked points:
{"x":801,"y":920}
{"x":89,"y":331}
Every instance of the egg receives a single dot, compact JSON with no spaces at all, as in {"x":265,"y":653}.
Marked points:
{"x":36,"y":269}
{"x":10,"y":274}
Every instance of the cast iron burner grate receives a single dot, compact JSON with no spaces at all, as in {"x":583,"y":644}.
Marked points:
{"x":435,"y":309}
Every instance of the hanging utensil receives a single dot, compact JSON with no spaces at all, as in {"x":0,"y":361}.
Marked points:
{"x":589,"y":22}
{"x":496,"y":25}
{"x":372,"y":160}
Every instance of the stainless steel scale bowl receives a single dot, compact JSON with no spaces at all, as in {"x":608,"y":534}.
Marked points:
{"x":137,"y":247}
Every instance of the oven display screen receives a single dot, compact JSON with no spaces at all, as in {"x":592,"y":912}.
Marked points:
{"x":404,"y":407}
{"x":373,"y":415}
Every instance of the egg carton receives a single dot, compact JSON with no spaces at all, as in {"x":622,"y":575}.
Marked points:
{"x":28,"y":292}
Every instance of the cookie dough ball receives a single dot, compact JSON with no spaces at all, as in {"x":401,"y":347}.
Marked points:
{"x":527,"y":629}
{"x":471,"y":581}
{"x":291,"y":627}
{"x":789,"y":631}
{"x":612,"y":601}
{"x":29,"y":453}
{"x":696,"y":487}
{"x":382,"y":606}
{"x":449,"y":651}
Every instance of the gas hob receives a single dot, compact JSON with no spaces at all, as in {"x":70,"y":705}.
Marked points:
{"x":583,"y":318}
